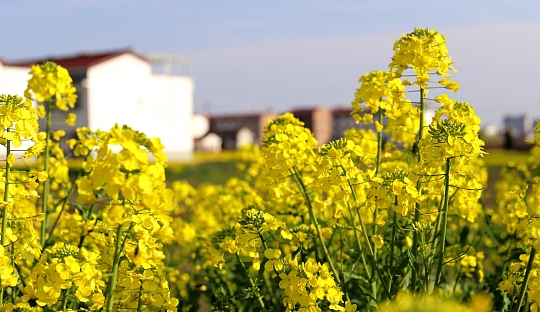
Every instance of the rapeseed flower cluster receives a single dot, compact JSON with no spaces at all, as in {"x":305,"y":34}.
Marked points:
{"x":119,"y":199}
{"x":382,"y":94}
{"x":308,"y":285}
{"x":342,"y":220}
{"x":51,"y":82}
{"x":407,"y":302}
{"x":424,"y":51}
{"x":516,"y":212}
{"x":65,"y":269}
{"x":18,"y":123}
{"x":287,"y":144}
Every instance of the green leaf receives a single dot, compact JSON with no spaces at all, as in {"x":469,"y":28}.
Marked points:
{"x":355,"y":276}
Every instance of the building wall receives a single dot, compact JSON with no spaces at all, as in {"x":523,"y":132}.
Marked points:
{"x":264,"y":119}
{"x":81,"y":106}
{"x":174,"y":120}
{"x":13,"y":80}
{"x":322,"y":125}
{"x":123,"y":90}
{"x":319,"y":121}
{"x":227,"y":128}
{"x":518,"y":125}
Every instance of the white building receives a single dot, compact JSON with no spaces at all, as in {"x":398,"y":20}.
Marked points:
{"x":125,"y":88}
{"x":13,"y":79}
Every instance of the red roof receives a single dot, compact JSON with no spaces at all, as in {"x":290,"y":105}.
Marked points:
{"x":82,"y":60}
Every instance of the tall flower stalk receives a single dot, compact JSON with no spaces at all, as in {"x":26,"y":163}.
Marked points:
{"x":18,"y":122}
{"x":424,"y":52}
{"x":6,"y":192}
{"x":47,"y":184}
{"x":49,"y":83}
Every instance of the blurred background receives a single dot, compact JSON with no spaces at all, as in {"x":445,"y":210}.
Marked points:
{"x":243,"y":61}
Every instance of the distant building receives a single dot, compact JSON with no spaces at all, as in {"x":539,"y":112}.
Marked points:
{"x":245,"y":136}
{"x":238,"y":130}
{"x":233,"y":129}
{"x":241,"y":129}
{"x":152,"y":94}
{"x":518,"y":125}
{"x":13,"y":79}
{"x":517,"y":130}
{"x":325,"y":124}
{"x":319,"y":121}
{"x":210,"y":143}
{"x":342,"y":120}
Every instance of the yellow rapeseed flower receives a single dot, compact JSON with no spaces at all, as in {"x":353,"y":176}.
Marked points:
{"x":49,"y":82}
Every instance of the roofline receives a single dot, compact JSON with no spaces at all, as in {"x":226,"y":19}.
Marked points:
{"x":106,"y":56}
{"x":308,"y":110}
{"x":235,"y":116}
{"x":126,"y":51}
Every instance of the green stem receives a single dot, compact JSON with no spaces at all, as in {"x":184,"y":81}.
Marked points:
{"x":13,"y":294}
{"x":4,"y":210}
{"x":264,"y":276}
{"x":379,"y":144}
{"x":47,"y":184}
{"x":427,"y":265}
{"x":139,"y":301}
{"x":83,"y":235}
{"x":6,"y":195}
{"x":64,"y":303}
{"x":357,"y":237}
{"x":418,"y":187}
{"x":251,"y":282}
{"x":392,"y":245}
{"x":371,"y":253}
{"x":64,"y":201}
{"x":444,"y":221}
{"x":316,"y":224}
{"x":437,"y":228}
{"x":523,"y":288}
{"x":341,"y":267}
{"x":270,"y":289}
{"x":457,"y":281}
{"x":377,"y":172}
{"x":114,"y":273}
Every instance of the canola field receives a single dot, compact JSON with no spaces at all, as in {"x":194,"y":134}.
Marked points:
{"x":357,"y":224}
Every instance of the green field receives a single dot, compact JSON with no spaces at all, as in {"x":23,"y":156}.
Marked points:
{"x":214,"y":172}
{"x":217,"y":168}
{"x":214,"y":168}
{"x":500,"y":157}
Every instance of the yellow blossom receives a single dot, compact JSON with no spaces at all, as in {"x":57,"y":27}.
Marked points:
{"x":71,"y":119}
{"x":377,"y":240}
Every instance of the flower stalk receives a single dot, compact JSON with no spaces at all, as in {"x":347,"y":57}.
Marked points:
{"x":525,"y":282}
{"x":47,"y":182}
{"x":6,"y":196}
{"x":114,"y":272}
{"x":444,"y":220}
{"x":5,"y":211}
{"x":418,"y":187}
{"x":313,"y":219}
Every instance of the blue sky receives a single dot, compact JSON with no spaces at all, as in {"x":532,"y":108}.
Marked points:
{"x":250,"y":56}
